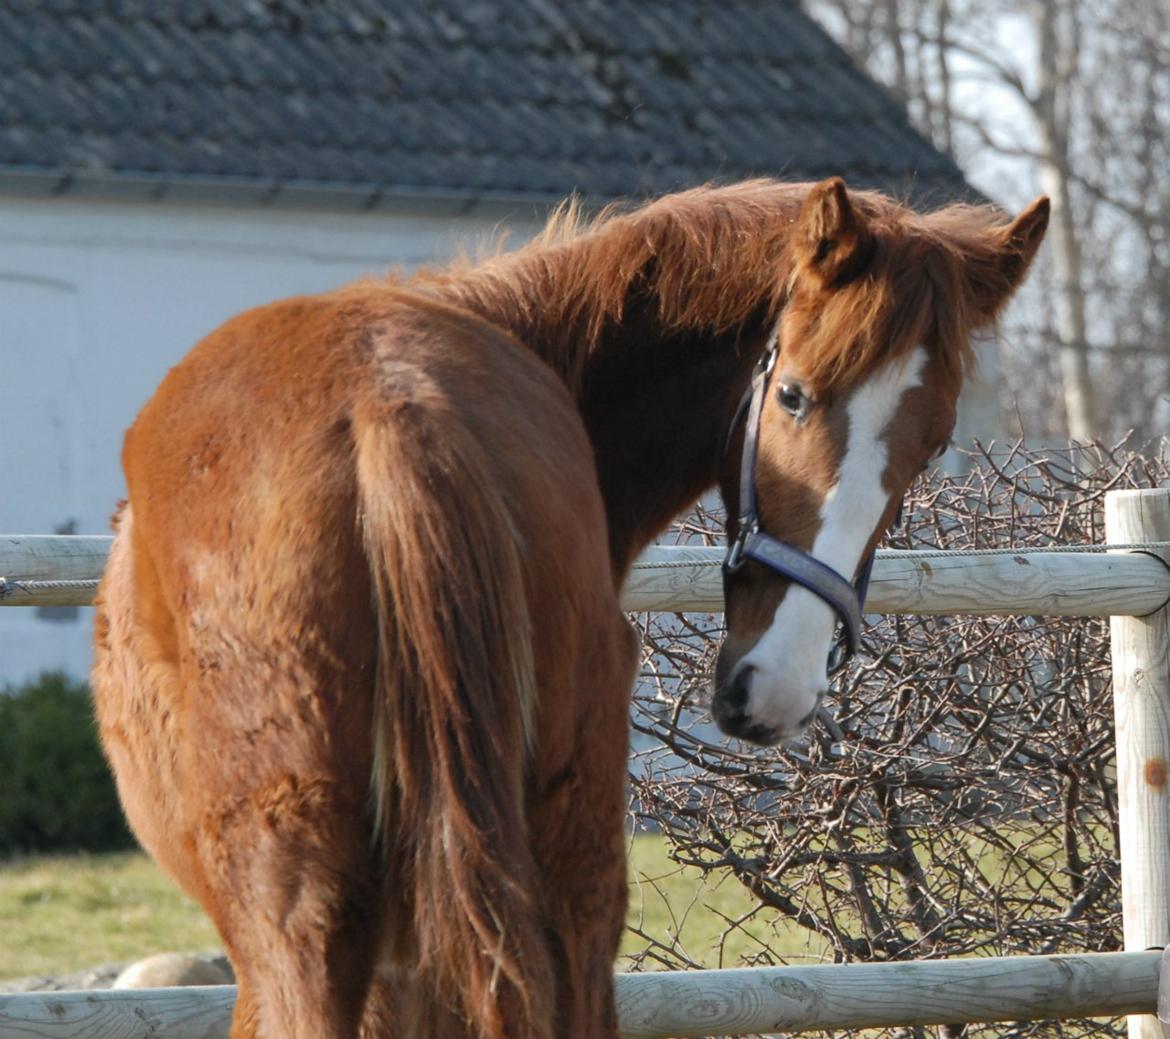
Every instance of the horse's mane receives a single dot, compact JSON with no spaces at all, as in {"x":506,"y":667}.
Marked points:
{"x":712,"y":258}
{"x":929,"y":280}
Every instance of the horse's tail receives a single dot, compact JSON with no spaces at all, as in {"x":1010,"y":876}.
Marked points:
{"x":454,"y":707}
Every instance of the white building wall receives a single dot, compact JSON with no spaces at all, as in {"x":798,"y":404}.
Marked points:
{"x":98,"y":299}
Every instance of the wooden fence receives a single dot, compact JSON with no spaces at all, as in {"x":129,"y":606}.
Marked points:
{"x":1131,"y":585}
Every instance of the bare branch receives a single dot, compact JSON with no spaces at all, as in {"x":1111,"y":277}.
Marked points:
{"x":961,"y":803}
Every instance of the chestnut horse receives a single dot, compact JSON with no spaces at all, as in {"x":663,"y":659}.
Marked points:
{"x":361,"y":670}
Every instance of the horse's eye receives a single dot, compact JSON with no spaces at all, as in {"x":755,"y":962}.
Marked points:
{"x":792,"y":399}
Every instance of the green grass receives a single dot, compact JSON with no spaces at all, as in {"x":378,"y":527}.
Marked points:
{"x":701,"y":917}
{"x":66,"y":913}
{"x":63,"y":913}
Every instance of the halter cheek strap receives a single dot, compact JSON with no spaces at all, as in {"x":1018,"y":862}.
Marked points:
{"x":845,"y":598}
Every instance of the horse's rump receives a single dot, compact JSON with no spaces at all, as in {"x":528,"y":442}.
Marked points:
{"x":353,"y":520}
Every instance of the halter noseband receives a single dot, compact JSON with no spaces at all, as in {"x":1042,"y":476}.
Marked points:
{"x":845,"y":598}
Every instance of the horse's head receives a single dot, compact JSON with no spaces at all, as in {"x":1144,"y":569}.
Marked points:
{"x":855,"y":396}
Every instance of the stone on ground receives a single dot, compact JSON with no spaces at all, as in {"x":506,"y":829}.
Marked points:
{"x":170,"y":969}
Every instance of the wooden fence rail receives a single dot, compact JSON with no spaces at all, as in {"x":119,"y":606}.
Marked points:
{"x":1057,"y":584}
{"x":1131,"y":586}
{"x":686,"y":1004}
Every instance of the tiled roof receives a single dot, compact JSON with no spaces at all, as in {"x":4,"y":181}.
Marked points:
{"x":467,"y":97}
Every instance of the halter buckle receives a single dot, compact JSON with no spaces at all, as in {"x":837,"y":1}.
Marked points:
{"x":734,"y":558}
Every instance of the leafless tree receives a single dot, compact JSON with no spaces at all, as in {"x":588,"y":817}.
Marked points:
{"x":1073,"y":97}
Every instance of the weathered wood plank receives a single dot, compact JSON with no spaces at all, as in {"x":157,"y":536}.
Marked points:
{"x":1072,"y":584}
{"x":698,"y":1003}
{"x":1068,"y":584}
{"x":50,"y":557}
{"x":795,"y":999}
{"x":1141,"y":702}
{"x":1064,"y":584}
{"x":178,"y":1013}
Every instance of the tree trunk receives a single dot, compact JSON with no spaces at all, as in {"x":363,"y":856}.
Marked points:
{"x":1051,"y":112}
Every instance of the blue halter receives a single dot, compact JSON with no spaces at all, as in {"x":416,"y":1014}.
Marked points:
{"x":844,"y":597}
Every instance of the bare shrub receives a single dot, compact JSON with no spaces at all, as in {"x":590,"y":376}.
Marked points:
{"x":958,"y":796}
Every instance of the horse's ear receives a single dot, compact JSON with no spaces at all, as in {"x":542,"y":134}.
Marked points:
{"x":831,"y":240}
{"x":1013,"y":249}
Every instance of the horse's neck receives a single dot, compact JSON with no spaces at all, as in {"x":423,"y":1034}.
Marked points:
{"x":658,"y":411}
{"x":656,"y":400}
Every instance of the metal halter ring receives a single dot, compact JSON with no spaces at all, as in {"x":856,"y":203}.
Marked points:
{"x":735,"y":557}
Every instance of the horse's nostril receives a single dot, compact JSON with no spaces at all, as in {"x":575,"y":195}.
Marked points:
{"x":739,"y":687}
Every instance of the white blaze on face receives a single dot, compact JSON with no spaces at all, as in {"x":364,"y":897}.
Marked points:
{"x":790,"y":658}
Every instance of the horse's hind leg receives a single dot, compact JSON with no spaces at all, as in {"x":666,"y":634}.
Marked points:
{"x":578,"y":826}
{"x":244,"y":774}
{"x":284,"y":834}
{"x":297,"y":923}
{"x":136,"y":691}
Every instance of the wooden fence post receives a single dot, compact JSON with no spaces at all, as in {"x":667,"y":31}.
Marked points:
{"x":1141,"y":701}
